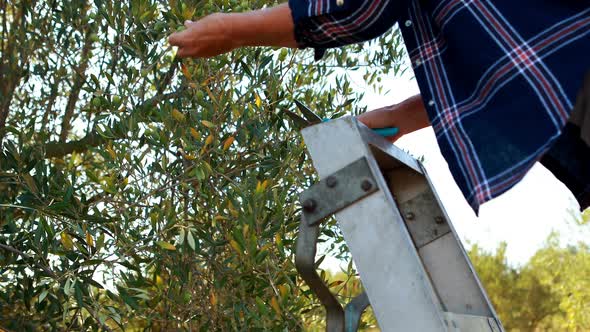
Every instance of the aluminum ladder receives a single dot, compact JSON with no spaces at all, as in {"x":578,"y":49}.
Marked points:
{"x":414,"y":270}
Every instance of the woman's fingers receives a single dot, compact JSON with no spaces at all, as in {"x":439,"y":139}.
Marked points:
{"x":383,"y":118}
{"x":408,"y":116}
{"x":186,"y":37}
{"x":177,"y":39}
{"x":186,"y":43}
{"x":204,"y":38}
{"x":184,"y":52}
{"x":379,"y":118}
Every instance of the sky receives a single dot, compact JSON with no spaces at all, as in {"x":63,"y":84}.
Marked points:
{"x":523,"y":217}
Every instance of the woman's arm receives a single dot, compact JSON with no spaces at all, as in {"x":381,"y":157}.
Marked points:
{"x":408,"y":116}
{"x":220,"y":33}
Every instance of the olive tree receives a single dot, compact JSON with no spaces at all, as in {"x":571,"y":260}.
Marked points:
{"x":143,"y":192}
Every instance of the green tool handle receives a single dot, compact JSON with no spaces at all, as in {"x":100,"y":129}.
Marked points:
{"x":385,"y":132}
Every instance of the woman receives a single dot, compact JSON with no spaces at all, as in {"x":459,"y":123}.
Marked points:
{"x":498,"y":80}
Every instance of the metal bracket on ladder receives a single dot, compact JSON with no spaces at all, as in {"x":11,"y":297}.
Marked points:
{"x":415,"y":272}
{"x":322,"y":200}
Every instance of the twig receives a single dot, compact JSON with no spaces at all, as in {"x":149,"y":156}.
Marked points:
{"x":18,"y":252}
{"x":93,"y":138}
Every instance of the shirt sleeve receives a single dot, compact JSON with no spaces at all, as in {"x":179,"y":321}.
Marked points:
{"x":323,"y":24}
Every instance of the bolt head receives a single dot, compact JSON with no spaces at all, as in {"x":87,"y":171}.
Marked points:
{"x":410,"y":216}
{"x":439,"y":220}
{"x":331,"y":182}
{"x":309,"y":205}
{"x":366,"y":185}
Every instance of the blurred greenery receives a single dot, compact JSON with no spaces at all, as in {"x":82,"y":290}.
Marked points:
{"x":551,"y":292}
{"x":140,"y":192}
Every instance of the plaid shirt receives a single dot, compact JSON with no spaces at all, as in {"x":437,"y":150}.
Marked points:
{"x":499,"y":77}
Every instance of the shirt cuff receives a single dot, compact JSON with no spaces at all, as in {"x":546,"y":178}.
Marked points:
{"x":303,"y":12}
{"x":322,"y":24}
{"x":300,"y":12}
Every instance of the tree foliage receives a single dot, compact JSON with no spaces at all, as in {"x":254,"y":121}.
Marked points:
{"x":140,"y":192}
{"x":143,"y":192}
{"x":549,"y":293}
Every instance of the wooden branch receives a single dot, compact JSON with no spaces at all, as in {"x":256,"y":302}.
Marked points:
{"x":165,"y":81}
{"x":8,"y":75}
{"x":29,"y":258}
{"x":50,"y":103}
{"x":95,"y":316}
{"x":59,"y":149}
{"x":93,"y":138}
{"x":79,"y":80}
{"x":10,"y":83}
{"x":2,"y":42}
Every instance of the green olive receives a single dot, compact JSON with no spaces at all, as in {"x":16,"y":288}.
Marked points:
{"x":283,"y":54}
{"x":96,"y":102}
{"x":94,"y":38}
{"x":160,"y":26}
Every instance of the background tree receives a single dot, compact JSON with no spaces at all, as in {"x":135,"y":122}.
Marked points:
{"x":141,"y":192}
{"x":550,"y":292}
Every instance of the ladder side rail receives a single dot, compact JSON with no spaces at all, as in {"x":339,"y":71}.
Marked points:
{"x":445,"y":259}
{"x":464,"y":254}
{"x":393,"y":276}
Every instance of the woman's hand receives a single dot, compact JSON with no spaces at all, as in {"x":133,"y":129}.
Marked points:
{"x":408,"y":116}
{"x":220,"y":33}
{"x":207,"y":37}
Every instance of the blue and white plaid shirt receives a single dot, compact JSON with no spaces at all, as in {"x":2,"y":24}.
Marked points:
{"x":499,"y":77}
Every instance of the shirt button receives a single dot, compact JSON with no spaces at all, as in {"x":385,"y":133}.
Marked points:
{"x":408,"y":23}
{"x":417,"y":63}
{"x":431,"y":103}
{"x":340,"y":2}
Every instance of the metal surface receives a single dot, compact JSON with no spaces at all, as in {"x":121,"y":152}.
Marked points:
{"x":387,"y":155}
{"x":342,"y":188}
{"x":305,"y":264}
{"x":466,"y":262}
{"x":467,"y":323}
{"x":440,"y":250}
{"x":337,"y":318}
{"x":455,"y":285}
{"x":413,"y":268}
{"x":396,"y":283}
{"x":354,"y":310}
{"x":309,"y":115}
{"x":495,"y":325}
{"x":426,"y":223}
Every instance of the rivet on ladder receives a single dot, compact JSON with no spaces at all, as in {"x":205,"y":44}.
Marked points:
{"x":331,"y":182}
{"x":366,"y":185}
{"x":309,"y":205}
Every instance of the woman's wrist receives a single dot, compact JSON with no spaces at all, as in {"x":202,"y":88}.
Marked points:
{"x":266,"y":27}
{"x":411,"y":113}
